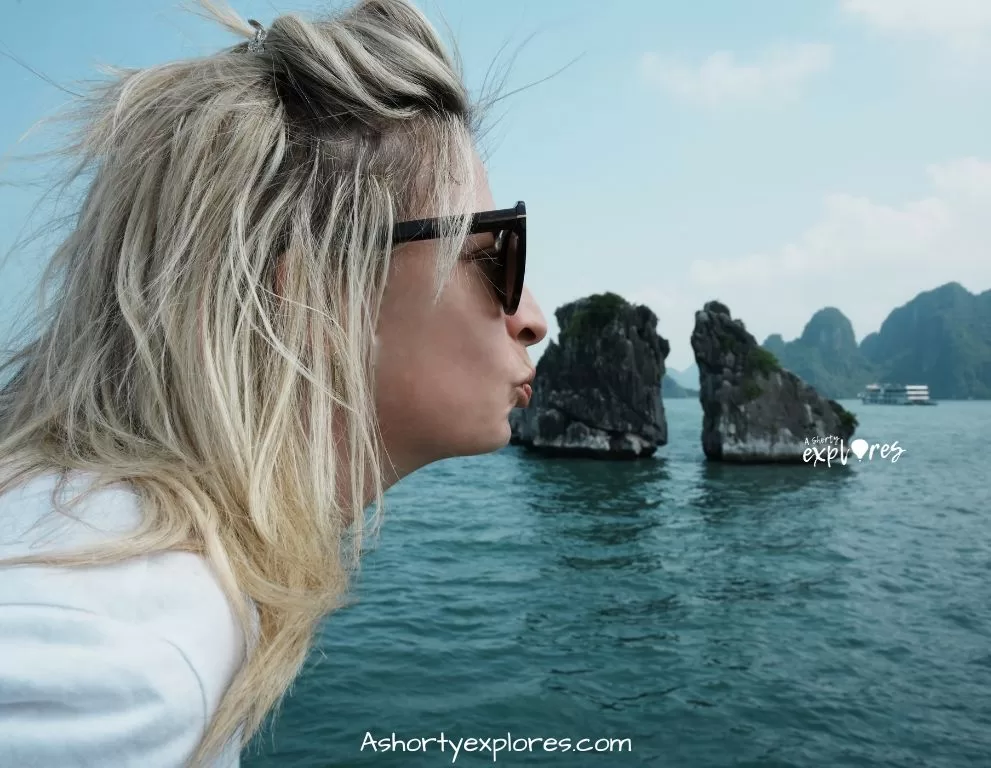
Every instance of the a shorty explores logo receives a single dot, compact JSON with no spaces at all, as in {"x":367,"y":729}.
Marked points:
{"x":829,"y":449}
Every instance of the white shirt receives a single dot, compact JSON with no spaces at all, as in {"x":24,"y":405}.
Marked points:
{"x":119,"y":665}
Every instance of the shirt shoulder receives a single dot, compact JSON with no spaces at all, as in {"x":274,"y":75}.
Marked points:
{"x":153,"y":637}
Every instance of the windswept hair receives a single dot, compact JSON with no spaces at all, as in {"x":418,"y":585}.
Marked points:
{"x":171,"y":357}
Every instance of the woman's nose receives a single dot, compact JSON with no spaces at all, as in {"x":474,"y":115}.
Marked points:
{"x":528,"y":324}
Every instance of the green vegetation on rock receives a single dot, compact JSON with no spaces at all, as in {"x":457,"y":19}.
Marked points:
{"x":762,"y":361}
{"x":596,"y":313}
{"x":847,"y":419}
{"x":751,"y":389}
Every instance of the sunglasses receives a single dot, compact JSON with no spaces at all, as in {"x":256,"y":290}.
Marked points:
{"x":503,"y":264}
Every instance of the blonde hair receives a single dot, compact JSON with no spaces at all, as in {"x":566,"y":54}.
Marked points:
{"x":167,"y":360}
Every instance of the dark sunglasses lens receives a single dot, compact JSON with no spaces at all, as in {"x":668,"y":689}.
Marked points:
{"x":513,"y":267}
{"x":502,"y":266}
{"x":494,"y":266}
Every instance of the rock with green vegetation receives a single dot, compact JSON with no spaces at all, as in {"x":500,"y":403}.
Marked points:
{"x":826,"y":355}
{"x":597,"y":392}
{"x":752,"y":409}
{"x":941,"y":338}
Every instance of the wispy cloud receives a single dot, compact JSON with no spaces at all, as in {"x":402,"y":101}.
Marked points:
{"x":964,"y":25}
{"x":723,"y":80}
{"x":864,"y":256}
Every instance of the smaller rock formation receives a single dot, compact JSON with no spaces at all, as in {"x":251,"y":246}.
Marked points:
{"x":753,"y":410}
{"x":597,"y":391}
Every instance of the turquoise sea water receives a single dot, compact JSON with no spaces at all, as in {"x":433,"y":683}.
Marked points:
{"x":712,"y":615}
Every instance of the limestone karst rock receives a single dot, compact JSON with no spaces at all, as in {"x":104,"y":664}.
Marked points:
{"x":753,"y":410}
{"x":597,"y":390}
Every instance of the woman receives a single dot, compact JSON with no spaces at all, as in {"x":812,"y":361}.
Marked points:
{"x":275,"y":303}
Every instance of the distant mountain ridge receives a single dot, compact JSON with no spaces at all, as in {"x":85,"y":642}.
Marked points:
{"x":941,"y":338}
{"x":671,"y":388}
{"x":686,"y":379}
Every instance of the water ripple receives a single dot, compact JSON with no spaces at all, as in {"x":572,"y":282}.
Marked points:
{"x":715,"y":615}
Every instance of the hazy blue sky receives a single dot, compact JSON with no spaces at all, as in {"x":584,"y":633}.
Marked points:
{"x":781,"y":156}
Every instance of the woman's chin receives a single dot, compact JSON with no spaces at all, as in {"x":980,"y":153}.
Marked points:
{"x":489,"y":440}
{"x":507,"y":433}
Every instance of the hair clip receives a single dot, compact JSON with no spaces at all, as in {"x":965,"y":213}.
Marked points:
{"x":257,"y":44}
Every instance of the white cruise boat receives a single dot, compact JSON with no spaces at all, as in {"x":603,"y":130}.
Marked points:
{"x":896,"y":394}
